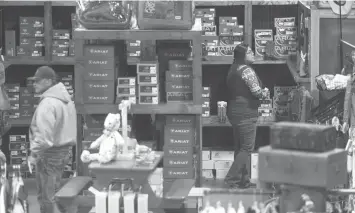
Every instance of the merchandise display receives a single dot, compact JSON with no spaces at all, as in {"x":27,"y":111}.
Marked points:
{"x":148,"y":80}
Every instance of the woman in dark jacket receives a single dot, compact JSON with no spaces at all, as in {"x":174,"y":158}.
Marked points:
{"x":245,"y":91}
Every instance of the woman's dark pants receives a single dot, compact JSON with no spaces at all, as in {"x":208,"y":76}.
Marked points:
{"x":243,"y":120}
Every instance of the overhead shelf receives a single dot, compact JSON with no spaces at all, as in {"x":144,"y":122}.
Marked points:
{"x":170,"y":108}
{"x":28,"y":60}
{"x":292,"y":66}
{"x":136,"y":34}
{"x":20,"y":122}
{"x":36,"y":3}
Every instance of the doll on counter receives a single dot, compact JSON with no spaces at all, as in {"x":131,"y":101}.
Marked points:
{"x":208,"y":208}
{"x":219,"y":207}
{"x":230,"y":208}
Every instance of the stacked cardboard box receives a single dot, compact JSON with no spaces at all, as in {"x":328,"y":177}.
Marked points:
{"x":67,"y":79}
{"x":209,"y":30}
{"x":179,"y":140}
{"x":13,"y":92}
{"x":61,"y":43}
{"x":206,"y":101}
{"x":31,"y":36}
{"x":100,"y":75}
{"x":230,"y":35}
{"x":19,"y":151}
{"x":285,"y":38}
{"x":261,"y":39}
{"x":281,"y":102}
{"x":133,"y":50}
{"x":179,"y":81}
{"x":126,"y":84}
{"x":148,"y":83}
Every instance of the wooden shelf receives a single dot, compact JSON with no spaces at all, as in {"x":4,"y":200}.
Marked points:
{"x":136,"y":34}
{"x":170,"y":108}
{"x":292,"y":66}
{"x":280,"y":2}
{"x":62,"y":61}
{"x":213,"y":121}
{"x":219,"y":3}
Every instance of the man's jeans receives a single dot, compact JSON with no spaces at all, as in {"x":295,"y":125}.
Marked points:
{"x":49,"y":171}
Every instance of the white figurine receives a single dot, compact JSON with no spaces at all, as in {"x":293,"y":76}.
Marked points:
{"x":230,"y":208}
{"x":241,"y":208}
{"x":219,"y":208}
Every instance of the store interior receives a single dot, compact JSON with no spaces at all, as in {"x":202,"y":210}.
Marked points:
{"x":318,"y":32}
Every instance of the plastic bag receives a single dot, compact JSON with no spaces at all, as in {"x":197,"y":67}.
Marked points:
{"x":4,"y":100}
{"x":104,"y":14}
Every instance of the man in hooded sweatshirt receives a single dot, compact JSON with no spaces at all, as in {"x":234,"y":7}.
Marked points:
{"x":52,"y":136}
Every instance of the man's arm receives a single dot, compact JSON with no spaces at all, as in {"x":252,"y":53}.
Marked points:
{"x":44,"y":128}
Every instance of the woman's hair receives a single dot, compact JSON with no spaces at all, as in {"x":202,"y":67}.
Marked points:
{"x":239,"y":53}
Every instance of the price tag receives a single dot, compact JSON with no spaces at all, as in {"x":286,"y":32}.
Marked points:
{"x":154,"y":80}
{"x":132,"y":91}
{"x":155,"y":100}
{"x":154,"y":90}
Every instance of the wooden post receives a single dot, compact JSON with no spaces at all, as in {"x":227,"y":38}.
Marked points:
{"x":48,"y":30}
{"x":248,"y":21}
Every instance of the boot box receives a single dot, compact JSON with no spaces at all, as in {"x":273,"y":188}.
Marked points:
{"x":99,"y":68}
{"x":179,"y":87}
{"x":184,"y":152}
{"x":180,"y":65}
{"x":178,"y":173}
{"x":147,"y":68}
{"x":327,"y":169}
{"x":303,"y":136}
{"x":188,"y":120}
{"x":179,"y":135}
{"x":102,"y":92}
{"x":178,"y":162}
{"x":101,"y":51}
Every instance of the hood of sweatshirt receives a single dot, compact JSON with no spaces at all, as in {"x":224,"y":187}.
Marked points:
{"x":59,"y":92}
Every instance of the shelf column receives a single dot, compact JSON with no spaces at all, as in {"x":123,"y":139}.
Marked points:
{"x":48,"y":29}
{"x":248,"y":20}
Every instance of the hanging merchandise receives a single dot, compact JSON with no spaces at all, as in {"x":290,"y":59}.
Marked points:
{"x":301,"y":103}
{"x":165,"y":15}
{"x":105,"y":14}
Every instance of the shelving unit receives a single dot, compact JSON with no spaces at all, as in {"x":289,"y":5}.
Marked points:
{"x":195,"y":108}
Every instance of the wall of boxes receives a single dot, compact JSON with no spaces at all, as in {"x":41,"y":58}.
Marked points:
{"x":285,"y":39}
{"x":31,"y":39}
{"x":221,"y":43}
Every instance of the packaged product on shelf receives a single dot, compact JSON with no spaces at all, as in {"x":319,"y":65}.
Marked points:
{"x":177,"y":162}
{"x":133,"y":49}
{"x":260,"y":52}
{"x":18,"y":153}
{"x":231,"y":30}
{"x":230,"y":40}
{"x":180,"y":65}
{"x":99,"y":92}
{"x":26,"y":51}
{"x":285,"y":40}
{"x":177,"y":173}
{"x":206,"y":92}
{"x":31,"y":32}
{"x":99,"y":68}
{"x":61,"y":34}
{"x":179,"y":76}
{"x":285,"y":22}
{"x":222,"y":155}
{"x":148,"y":50}
{"x":209,"y":30}
{"x":179,"y":97}
{"x":60,"y":52}
{"x":206,"y":111}
{"x":263,"y":34}
{"x":10,"y":43}
{"x":228,"y":21}
{"x":60,"y":43}
{"x":18,"y":161}
{"x":284,"y":51}
{"x":208,"y":164}
{"x":148,"y":99}
{"x":152,"y":89}
{"x":19,"y":146}
{"x":178,"y":87}
{"x":210,"y":40}
{"x":207,"y":21}
{"x":126,"y":91}
{"x":147,"y":68}
{"x":132,"y":99}
{"x":223,"y":164}
{"x":288,"y":31}
{"x":178,"y":151}
{"x":17,"y":138}
{"x":31,"y":21}
{"x":126,"y":81}
{"x":147,"y":79}
{"x":179,"y":135}
{"x":226,"y":50}
{"x":206,"y":155}
{"x":206,"y":13}
{"x":180,"y":15}
{"x":180,"y":120}
{"x":102,"y":51}
{"x":211,"y":51}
